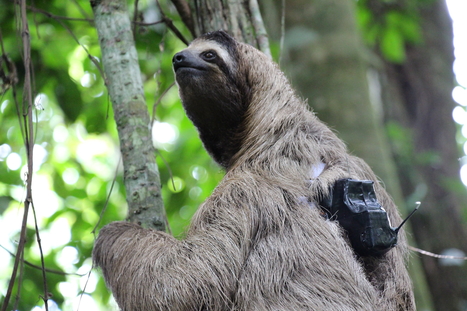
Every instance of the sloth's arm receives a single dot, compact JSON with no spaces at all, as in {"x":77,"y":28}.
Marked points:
{"x":151,"y":270}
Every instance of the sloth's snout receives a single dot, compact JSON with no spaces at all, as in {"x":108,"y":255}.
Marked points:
{"x":185,"y":59}
{"x":180,"y":60}
{"x":179,"y":57}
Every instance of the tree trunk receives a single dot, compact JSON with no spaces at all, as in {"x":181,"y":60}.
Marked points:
{"x":329,"y":67}
{"x":420,"y":100}
{"x":328,"y":63}
{"x":241,"y":19}
{"x":123,"y":79}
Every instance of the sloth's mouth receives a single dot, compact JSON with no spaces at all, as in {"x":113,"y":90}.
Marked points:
{"x":184,"y":67}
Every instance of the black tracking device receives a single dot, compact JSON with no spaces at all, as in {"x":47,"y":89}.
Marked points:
{"x":354,"y":205}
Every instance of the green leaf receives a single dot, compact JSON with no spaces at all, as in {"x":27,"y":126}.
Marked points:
{"x":392,"y":45}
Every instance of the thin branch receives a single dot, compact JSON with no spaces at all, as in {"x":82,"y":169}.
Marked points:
{"x":83,"y":12}
{"x":85,"y":285}
{"x":28,"y":119}
{"x":165,"y":19}
{"x":184,"y":11}
{"x":258,"y":25}
{"x":108,"y":198}
{"x":148,"y":24}
{"x":59,"y":20}
{"x":158,"y":102}
{"x":38,"y":35}
{"x":92,"y":58}
{"x":38,"y":239}
{"x":430,"y":254}
{"x":18,"y":113}
{"x":169,"y":230}
{"x":29,"y":142}
{"x":168,"y":22}
{"x":20,"y":282}
{"x":281,"y":45}
{"x":27,"y":263}
{"x":135,"y":17}
{"x":58,"y":17}
{"x":90,"y":20}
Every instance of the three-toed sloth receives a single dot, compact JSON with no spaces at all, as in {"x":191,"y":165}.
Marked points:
{"x":260,"y":241}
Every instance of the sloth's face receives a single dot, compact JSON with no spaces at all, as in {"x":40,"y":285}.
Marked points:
{"x":204,"y":63}
{"x":213,"y":90}
{"x":207,"y":76}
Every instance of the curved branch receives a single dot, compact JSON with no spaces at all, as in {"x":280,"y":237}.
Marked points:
{"x":184,"y":11}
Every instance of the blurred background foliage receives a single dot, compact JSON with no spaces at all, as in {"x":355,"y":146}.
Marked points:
{"x":390,"y":25}
{"x":76,"y":156}
{"x":76,"y":153}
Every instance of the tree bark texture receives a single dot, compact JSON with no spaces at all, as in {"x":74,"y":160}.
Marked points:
{"x":420,"y":100}
{"x":328,"y":63}
{"x":123,"y":78}
{"x":232,"y":16}
{"x":241,"y":19}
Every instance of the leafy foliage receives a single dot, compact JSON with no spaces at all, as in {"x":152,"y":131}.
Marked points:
{"x":76,"y":154}
{"x":389,"y":25}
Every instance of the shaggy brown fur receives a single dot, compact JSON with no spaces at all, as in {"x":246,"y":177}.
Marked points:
{"x":256,"y":243}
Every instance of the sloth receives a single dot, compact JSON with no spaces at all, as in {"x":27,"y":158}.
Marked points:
{"x":260,"y":241}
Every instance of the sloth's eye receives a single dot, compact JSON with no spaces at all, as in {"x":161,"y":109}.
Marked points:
{"x":209,"y":55}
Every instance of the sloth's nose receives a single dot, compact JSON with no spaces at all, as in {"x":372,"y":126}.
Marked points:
{"x":186,"y":59}
{"x":179,"y":60}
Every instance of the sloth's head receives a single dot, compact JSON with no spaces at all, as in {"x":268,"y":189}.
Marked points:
{"x":215,"y":91}
{"x":232,"y":93}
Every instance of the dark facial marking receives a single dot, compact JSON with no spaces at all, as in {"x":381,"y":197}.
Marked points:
{"x":209,"y":56}
{"x":224,"y":39}
{"x":221,"y":37}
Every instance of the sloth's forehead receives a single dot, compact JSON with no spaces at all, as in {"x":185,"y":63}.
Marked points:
{"x":200,"y":45}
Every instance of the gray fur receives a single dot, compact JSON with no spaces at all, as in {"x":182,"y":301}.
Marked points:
{"x":254,"y":244}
